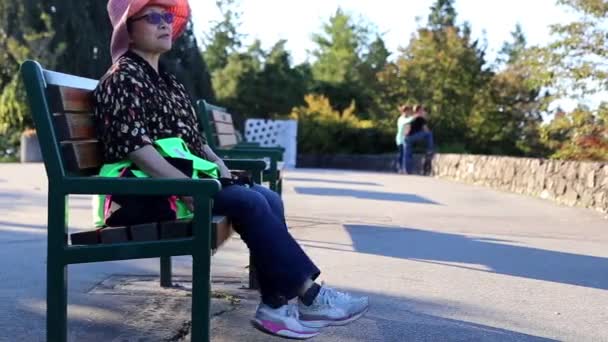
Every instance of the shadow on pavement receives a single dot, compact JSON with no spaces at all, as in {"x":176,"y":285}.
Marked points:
{"x":330,"y":181}
{"x":498,"y":256}
{"x":363,"y":194}
{"x":390,"y":319}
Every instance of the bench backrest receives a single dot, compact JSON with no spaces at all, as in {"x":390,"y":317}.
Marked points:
{"x":217,"y":124}
{"x":62,"y":109}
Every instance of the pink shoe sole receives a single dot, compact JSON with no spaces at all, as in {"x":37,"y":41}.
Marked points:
{"x":276,"y":329}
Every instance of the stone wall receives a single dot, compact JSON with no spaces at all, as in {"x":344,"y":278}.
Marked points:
{"x":572,"y":183}
{"x":583,"y":184}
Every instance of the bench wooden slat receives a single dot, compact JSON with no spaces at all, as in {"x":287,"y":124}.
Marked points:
{"x":145,"y":232}
{"x":114,"y":235}
{"x":226,"y":140}
{"x":224,"y":117}
{"x":86,"y":238}
{"x":221,"y":226}
{"x":72,"y":126}
{"x":224,"y":128}
{"x":68,"y":99}
{"x":175,"y":230}
{"x":82,"y":156}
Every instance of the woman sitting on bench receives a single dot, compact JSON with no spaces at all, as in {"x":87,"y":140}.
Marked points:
{"x":137,"y":103}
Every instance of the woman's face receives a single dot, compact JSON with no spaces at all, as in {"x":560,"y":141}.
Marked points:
{"x":151,"y":30}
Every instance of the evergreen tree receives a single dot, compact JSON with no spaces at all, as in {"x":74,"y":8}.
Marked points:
{"x":223,"y":38}
{"x":442,"y":68}
{"x":346,"y":62}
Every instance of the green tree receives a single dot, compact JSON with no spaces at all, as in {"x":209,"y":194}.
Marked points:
{"x":85,"y":37}
{"x":512,"y":51}
{"x":186,"y":63}
{"x":282,"y":87}
{"x":235,"y":84}
{"x":375,"y":60}
{"x":506,"y":117}
{"x":339,"y":67}
{"x":575,"y":65}
{"x":338,"y":49}
{"x":223,"y":38}
{"x":579,"y":135}
{"x":26,"y":32}
{"x":260,"y":84}
{"x":443,"y":15}
{"x":442,"y":68}
{"x":578,"y":58}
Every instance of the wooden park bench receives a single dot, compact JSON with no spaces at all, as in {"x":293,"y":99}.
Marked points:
{"x":62,"y":110}
{"x":222,"y":137}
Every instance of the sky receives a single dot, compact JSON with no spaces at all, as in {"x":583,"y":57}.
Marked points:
{"x":295,"y":21}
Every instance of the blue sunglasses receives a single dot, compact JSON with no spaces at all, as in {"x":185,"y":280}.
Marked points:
{"x":155,"y":18}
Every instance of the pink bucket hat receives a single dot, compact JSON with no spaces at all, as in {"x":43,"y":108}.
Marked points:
{"x":121,"y":10}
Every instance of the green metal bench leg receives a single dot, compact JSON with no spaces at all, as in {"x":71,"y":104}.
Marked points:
{"x":274,"y":177}
{"x":56,"y":301}
{"x":280,"y":187}
{"x":201,"y":299}
{"x":273,"y":185}
{"x":56,"y":276}
{"x":201,"y":274}
{"x":165,"y":272}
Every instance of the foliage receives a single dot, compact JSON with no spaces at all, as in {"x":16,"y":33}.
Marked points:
{"x":579,"y":135}
{"x":348,"y":55}
{"x":324,"y":130}
{"x":578,"y":57}
{"x":346,"y":96}
{"x":441,"y":68}
{"x":26,"y":32}
{"x":223,"y":38}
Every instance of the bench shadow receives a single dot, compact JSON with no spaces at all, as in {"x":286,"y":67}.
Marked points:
{"x":394,"y":317}
{"x":493,"y":255}
{"x":363,"y":194}
{"x":14,"y":201}
{"x":390,"y":318}
{"x":330,"y":181}
{"x":8,"y":224}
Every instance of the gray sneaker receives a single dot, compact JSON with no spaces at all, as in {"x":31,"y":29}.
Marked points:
{"x":332,"y":307}
{"x":282,"y":322}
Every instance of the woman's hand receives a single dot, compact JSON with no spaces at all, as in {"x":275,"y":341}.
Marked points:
{"x":224,"y":170}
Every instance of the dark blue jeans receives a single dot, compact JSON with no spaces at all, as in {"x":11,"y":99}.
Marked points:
{"x":409,"y":150}
{"x":401,"y":158}
{"x":258,"y":216}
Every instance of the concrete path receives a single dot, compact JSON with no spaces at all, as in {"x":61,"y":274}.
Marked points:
{"x":441,"y":261}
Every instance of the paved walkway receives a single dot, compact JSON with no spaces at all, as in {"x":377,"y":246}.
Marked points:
{"x":441,"y":261}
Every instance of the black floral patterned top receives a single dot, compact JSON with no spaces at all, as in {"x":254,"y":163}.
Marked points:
{"x":135,"y":105}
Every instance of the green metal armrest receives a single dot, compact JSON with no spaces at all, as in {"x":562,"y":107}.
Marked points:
{"x":140,"y":186}
{"x":253,"y":165}
{"x":258,"y":148}
{"x":249,"y":153}
{"x":256,"y":145}
{"x":271,"y":175}
{"x":247,"y":144}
